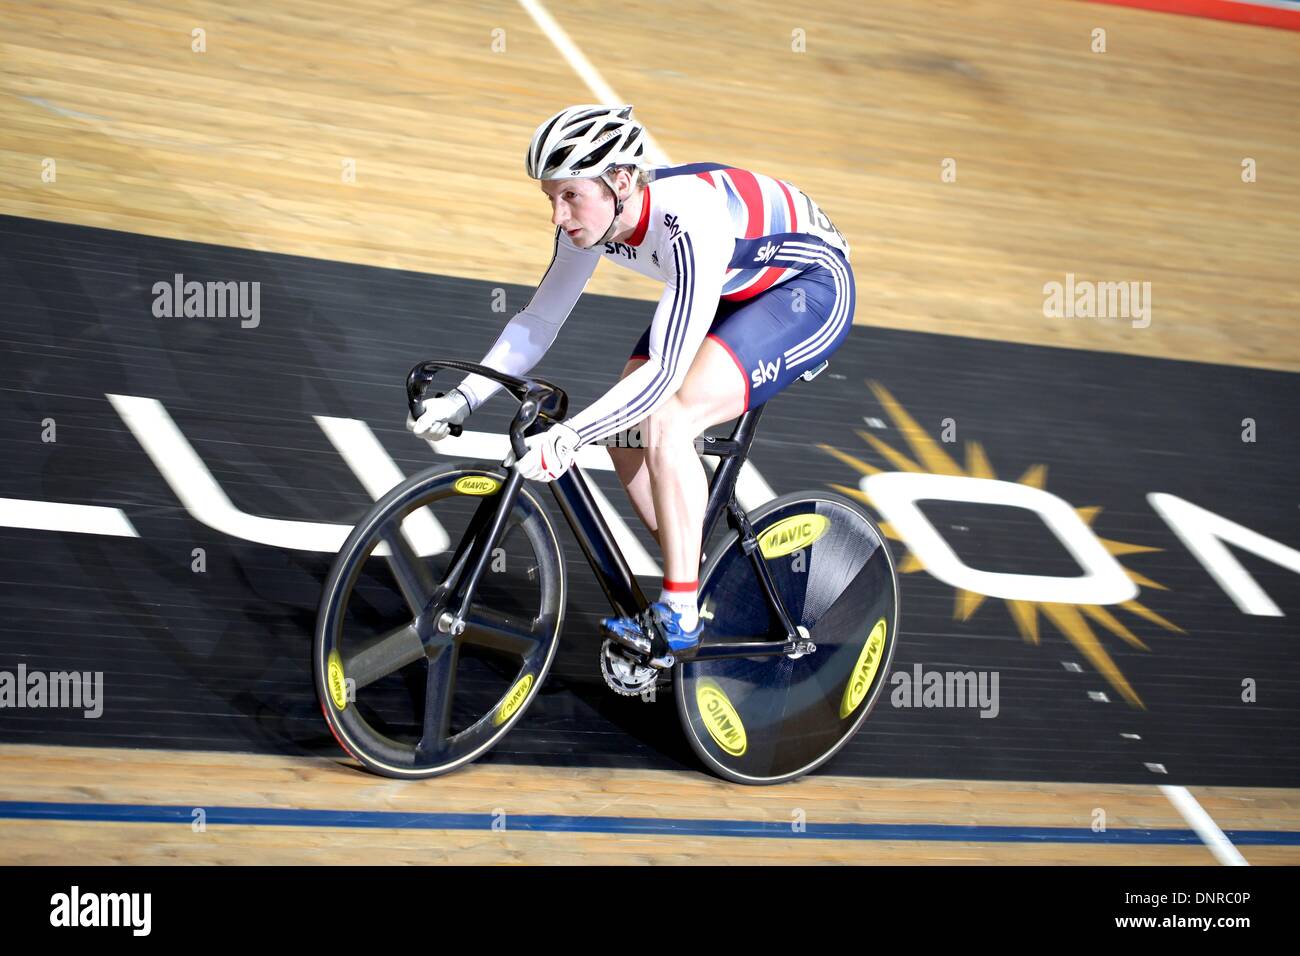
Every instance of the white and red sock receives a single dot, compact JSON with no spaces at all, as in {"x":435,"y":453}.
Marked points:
{"x":682,"y":596}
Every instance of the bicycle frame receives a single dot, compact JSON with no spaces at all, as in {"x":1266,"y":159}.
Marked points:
{"x":579,"y":508}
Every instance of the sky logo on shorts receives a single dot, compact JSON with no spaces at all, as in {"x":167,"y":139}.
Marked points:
{"x":766,"y":372}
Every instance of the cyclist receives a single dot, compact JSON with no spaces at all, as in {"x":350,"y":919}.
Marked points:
{"x":757,"y":290}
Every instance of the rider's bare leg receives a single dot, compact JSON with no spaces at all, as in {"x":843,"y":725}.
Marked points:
{"x":630,"y":466}
{"x":714,"y":392}
{"x":665,"y":478}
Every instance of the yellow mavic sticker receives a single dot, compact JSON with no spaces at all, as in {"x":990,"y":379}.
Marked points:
{"x":338,"y":685}
{"x":720,"y":717}
{"x":477,"y":485}
{"x":792,"y":534}
{"x":864,"y":670}
{"x":518,"y":694}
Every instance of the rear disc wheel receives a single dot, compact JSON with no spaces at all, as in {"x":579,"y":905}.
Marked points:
{"x":763,"y":720}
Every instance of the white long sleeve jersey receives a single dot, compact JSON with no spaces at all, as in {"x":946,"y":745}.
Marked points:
{"x":708,"y":232}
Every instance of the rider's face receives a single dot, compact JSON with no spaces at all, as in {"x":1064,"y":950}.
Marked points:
{"x":582,"y":207}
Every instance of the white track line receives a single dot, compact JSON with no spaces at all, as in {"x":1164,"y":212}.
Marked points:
{"x":1205,"y":827}
{"x":603,"y":92}
{"x":379,"y":474}
{"x":56,"y":516}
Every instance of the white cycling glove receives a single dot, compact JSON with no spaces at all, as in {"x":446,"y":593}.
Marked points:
{"x":439,"y":415}
{"x":550,"y":453}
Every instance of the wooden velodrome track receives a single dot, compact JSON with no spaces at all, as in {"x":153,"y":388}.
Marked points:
{"x":1126,"y":163}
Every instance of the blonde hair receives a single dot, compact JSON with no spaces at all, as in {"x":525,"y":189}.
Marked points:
{"x":640,"y":175}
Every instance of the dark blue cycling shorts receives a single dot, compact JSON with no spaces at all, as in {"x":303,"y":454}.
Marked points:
{"x":783,"y":331}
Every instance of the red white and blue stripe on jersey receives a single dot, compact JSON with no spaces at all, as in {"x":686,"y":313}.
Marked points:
{"x":763,"y":215}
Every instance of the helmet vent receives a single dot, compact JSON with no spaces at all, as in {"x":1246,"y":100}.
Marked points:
{"x":597,"y":154}
{"x":558,"y":157}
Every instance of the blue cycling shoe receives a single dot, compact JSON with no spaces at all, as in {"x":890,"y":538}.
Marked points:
{"x":632,"y":631}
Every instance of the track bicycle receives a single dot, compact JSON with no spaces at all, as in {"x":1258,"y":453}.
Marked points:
{"x":441,"y":615}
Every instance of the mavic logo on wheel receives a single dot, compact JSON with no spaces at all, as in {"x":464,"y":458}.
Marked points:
{"x":477,"y":485}
{"x":338,"y":685}
{"x":792,"y":534}
{"x":514,"y":700}
{"x":721,"y":718}
{"x":865,"y":670}
{"x":766,"y":252}
{"x":766,"y":372}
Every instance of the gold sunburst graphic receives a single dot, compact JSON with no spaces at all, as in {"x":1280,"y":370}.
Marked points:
{"x":1072,"y":620}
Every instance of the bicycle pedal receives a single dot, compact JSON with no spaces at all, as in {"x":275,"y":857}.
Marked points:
{"x":631,"y":641}
{"x":663,"y":663}
{"x":638,"y":644}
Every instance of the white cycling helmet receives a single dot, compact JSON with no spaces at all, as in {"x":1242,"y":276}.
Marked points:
{"x":586,"y":142}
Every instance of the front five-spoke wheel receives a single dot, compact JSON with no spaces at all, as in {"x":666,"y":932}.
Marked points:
{"x":408,"y":691}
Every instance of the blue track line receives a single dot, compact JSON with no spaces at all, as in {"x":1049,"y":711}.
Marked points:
{"x":547,"y":823}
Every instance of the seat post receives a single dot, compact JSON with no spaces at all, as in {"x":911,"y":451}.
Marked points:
{"x":723,"y":486}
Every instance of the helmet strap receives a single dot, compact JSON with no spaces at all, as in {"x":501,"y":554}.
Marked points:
{"x":618,"y":211}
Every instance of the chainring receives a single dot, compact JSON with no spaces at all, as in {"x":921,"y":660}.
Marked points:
{"x":624,"y":674}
